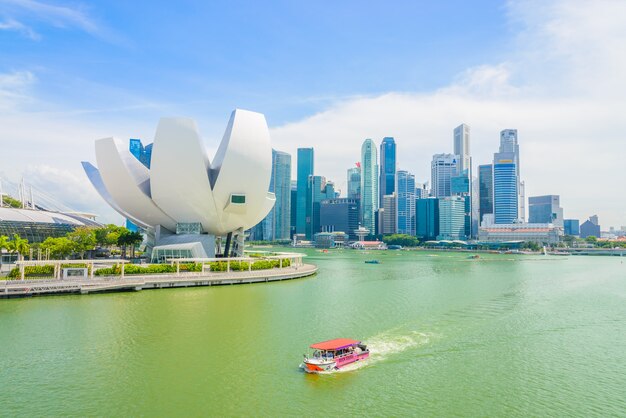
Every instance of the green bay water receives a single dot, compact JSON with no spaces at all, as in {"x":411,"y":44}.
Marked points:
{"x":504,"y":335}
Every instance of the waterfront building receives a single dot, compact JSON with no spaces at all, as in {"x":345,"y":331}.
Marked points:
{"x":443,"y":168}
{"x":354,"y":182}
{"x":340,"y":215}
{"x":406,"y":202}
{"x":505,"y":194}
{"x":330,"y":239}
{"x":462,"y":148}
{"x":304,"y":171}
{"x":427,"y":218}
{"x":485,"y":190}
{"x":191,"y":202}
{"x":389,"y":216}
{"x":369,"y":184}
{"x":540,"y":233}
{"x":451,"y":218}
{"x":387,"y":183}
{"x":36,"y":225}
{"x":590,"y":227}
{"x":571,"y":227}
{"x":545,"y":209}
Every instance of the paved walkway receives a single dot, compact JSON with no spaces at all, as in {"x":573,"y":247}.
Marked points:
{"x":32,"y":287}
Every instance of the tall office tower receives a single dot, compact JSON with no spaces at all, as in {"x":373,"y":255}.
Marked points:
{"x":279,"y":217}
{"x":545,"y":210}
{"x":590,"y":227}
{"x":305,"y":170}
{"x":505,"y":192}
{"x":320,"y":190}
{"x":442,"y":169}
{"x":427,"y":218}
{"x":387,"y":183}
{"x":294,"y":208}
{"x":509,"y":152}
{"x":406,"y":202}
{"x":452,"y":218}
{"x":462,"y":147}
{"x":485,"y":192}
{"x":354,"y":182}
{"x":369,"y":185}
{"x":389,"y":215}
{"x":143,"y":154}
{"x":340,"y":215}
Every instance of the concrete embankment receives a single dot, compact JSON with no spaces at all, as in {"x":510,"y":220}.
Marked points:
{"x":17,"y":288}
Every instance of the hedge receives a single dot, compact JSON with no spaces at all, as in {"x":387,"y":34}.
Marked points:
{"x":131,"y":269}
{"x":39,"y":271}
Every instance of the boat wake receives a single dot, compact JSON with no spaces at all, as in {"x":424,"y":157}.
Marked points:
{"x":384,"y":346}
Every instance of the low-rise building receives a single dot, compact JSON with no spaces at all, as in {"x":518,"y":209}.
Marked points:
{"x":540,"y":233}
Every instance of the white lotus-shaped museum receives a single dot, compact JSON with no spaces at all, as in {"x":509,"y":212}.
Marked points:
{"x":182,"y":187}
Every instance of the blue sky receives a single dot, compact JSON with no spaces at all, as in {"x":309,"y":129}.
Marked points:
{"x":287,"y":59}
{"x":325,"y":74}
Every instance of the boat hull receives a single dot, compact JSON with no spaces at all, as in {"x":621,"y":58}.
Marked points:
{"x":321,"y":366}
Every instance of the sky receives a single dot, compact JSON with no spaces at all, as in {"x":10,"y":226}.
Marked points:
{"x":326,"y":74}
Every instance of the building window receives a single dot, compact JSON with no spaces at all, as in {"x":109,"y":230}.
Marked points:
{"x":238,"y":199}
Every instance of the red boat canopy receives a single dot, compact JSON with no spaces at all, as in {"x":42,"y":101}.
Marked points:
{"x":336,"y":344}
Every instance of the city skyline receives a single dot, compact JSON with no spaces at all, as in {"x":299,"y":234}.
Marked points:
{"x":564,"y":112}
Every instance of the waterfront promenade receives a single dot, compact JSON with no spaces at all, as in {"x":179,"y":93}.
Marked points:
{"x":16,"y":288}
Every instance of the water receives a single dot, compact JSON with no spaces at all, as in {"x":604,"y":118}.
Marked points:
{"x":499,"y":336}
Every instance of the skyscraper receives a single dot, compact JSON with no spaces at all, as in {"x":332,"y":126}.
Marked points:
{"x":443,"y":168}
{"x":545,"y":210}
{"x":305,"y":170}
{"x":389,"y":215}
{"x":369,"y":184}
{"x":319,"y":190}
{"x":294,"y":208}
{"x":485,"y":184}
{"x":354,"y":182}
{"x":143,"y":154}
{"x":280,"y":185}
{"x":427,"y":218}
{"x":452,"y":218}
{"x":406,"y":202}
{"x":509,"y":152}
{"x":387,"y":183}
{"x":505,"y":194}
{"x":462,"y":148}
{"x":340,"y":215}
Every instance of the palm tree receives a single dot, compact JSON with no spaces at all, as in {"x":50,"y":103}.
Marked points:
{"x":4,"y":242}
{"x":18,"y":245}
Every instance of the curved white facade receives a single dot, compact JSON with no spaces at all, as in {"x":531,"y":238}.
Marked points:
{"x":182,"y":185}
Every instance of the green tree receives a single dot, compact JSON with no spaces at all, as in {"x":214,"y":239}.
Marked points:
{"x":401,"y":239}
{"x":591,"y":239}
{"x":128,"y":238}
{"x":84,"y":239}
{"x":18,"y":245}
{"x":59,"y":248}
{"x":108,"y":235}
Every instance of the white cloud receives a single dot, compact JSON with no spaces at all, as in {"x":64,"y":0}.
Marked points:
{"x":59,"y":16}
{"x":563,"y":85}
{"x":14,"y":25}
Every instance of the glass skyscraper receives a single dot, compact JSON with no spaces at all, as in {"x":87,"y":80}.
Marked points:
{"x":387,"y":182}
{"x":485,"y":190}
{"x":277,"y":222}
{"x":462,"y":148}
{"x":141,"y":153}
{"x":443,"y":168}
{"x":427,"y":218}
{"x":545,"y":209}
{"x":505,"y":193}
{"x":406,"y":202}
{"x":354,"y":182}
{"x":452,"y":218}
{"x":369,"y":185}
{"x":509,"y":152}
{"x":304,"y":171}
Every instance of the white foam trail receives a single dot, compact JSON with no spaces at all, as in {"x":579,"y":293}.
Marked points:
{"x":385,"y":345}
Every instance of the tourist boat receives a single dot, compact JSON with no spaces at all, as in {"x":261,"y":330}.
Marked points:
{"x":474,"y":257}
{"x":334,"y":354}
{"x":372,"y":262}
